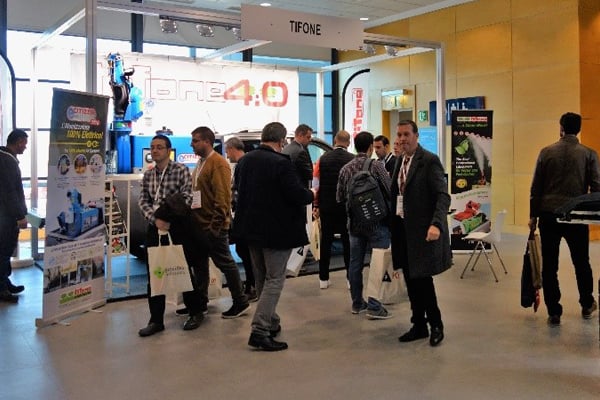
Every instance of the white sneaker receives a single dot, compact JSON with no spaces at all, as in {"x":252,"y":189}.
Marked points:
{"x":323,"y":284}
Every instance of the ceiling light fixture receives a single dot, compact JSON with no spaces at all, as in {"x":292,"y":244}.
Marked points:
{"x":237,"y":32}
{"x":167,"y":25}
{"x":364,"y":18}
{"x":391,"y":51}
{"x":265,"y":4}
{"x":369,"y":49}
{"x":205,"y":30}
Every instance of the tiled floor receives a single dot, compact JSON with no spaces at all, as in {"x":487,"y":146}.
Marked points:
{"x":494,"y":349}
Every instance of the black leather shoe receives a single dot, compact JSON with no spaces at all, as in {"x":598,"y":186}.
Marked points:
{"x":7,"y":297}
{"x":415,"y":333}
{"x":193,"y":322}
{"x":437,"y":335}
{"x":266,"y":343}
{"x":275,"y":332}
{"x":151,"y":329}
{"x":14,"y":289}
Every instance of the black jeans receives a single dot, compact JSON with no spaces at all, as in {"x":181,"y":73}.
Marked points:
{"x":332,"y":223}
{"x":217,"y":248}
{"x":577,"y":238}
{"x":9,"y":236}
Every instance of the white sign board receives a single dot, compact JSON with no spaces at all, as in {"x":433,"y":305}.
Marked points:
{"x":184,"y":94}
{"x":285,"y":26}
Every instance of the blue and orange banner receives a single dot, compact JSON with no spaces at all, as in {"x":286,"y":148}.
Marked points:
{"x":75,"y":232}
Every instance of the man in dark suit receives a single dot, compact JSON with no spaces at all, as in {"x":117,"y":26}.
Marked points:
{"x":271,"y":220}
{"x":333,"y":214}
{"x":297,"y":152}
{"x":381,"y":147}
{"x":420,"y":238}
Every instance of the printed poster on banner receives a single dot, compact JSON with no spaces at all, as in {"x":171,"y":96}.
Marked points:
{"x":75,"y":232}
{"x":471,"y":175}
{"x":356,"y":104}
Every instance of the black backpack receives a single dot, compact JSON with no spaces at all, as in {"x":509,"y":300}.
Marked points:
{"x":365,"y":202}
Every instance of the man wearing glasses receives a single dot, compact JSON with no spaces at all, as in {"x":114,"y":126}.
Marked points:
{"x":160,"y":185}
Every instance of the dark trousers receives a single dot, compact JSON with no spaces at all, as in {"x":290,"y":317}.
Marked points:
{"x":421,"y":290}
{"x":179,"y":235}
{"x":217,"y":248}
{"x":577,"y":238}
{"x":243,"y":251}
{"x":332,"y":223}
{"x":9,"y":236}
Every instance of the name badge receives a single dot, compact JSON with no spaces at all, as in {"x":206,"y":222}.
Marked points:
{"x":400,"y":206}
{"x":196,"y":199}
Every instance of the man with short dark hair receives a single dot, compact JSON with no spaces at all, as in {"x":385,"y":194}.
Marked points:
{"x":160,"y":186}
{"x":420,"y":237}
{"x":234,"y":148}
{"x":381,"y":146}
{"x":270,"y":218}
{"x":13,"y":210}
{"x":332,"y":214}
{"x":297,"y":152}
{"x":376,"y":236}
{"x":211,"y":216}
{"x":564,"y":170}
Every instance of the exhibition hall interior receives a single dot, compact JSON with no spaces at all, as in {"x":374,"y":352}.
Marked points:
{"x":488,"y":84}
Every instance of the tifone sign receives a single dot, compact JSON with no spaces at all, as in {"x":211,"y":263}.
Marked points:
{"x":284,"y":26}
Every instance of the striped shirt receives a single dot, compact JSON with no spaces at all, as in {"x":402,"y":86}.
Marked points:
{"x":377,"y":170}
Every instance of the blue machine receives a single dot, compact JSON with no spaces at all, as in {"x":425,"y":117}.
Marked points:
{"x":127,"y":101}
{"x":79,"y":218}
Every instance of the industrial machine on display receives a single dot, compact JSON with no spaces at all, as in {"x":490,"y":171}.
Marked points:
{"x":127,"y":107}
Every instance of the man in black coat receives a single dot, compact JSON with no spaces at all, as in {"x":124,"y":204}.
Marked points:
{"x":270,"y":217}
{"x":333,"y":214}
{"x":420,"y":238}
{"x":297,"y":152}
{"x":12,"y":210}
{"x":381,"y":147}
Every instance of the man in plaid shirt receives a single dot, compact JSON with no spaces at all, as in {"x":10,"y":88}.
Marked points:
{"x":378,"y":238}
{"x":159,"y":184}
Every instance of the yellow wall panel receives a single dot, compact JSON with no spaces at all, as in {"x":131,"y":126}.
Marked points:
{"x":483,"y":51}
{"x":589,"y":35}
{"x":433,"y":26}
{"x":422,"y":68}
{"x":546,"y":39}
{"x":528,"y":8}
{"x":497,"y":90}
{"x":482,"y":13}
{"x":590,"y":90}
{"x":399,"y":28}
{"x":529,"y":138}
{"x":522,"y":186}
{"x":546,"y":92}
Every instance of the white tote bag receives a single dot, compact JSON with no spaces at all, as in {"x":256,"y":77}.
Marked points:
{"x":169,"y":272}
{"x":215,"y":281}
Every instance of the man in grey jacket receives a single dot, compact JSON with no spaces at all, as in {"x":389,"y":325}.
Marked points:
{"x":564,"y":170}
{"x":297,"y":152}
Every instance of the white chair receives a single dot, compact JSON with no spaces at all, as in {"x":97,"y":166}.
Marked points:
{"x":481,"y":238}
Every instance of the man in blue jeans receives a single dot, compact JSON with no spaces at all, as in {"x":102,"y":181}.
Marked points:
{"x":377,"y":236}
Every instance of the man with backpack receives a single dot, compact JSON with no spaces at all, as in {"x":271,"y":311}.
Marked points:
{"x":364,"y":186}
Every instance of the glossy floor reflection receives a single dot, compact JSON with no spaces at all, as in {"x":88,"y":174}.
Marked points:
{"x":494,"y":349}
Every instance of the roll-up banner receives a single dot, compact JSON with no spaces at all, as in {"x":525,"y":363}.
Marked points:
{"x":471,"y":174}
{"x":75,"y":232}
